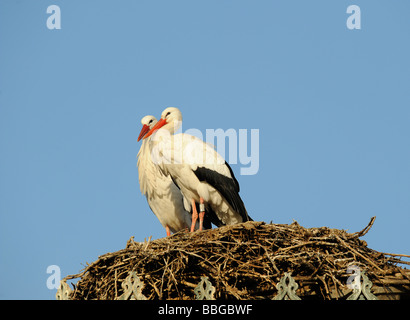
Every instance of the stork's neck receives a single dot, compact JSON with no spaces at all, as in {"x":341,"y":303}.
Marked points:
{"x":173,"y":126}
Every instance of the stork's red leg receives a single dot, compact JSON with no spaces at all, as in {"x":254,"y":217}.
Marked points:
{"x":201,"y":213}
{"x":167,"y":230}
{"x":194,"y":215}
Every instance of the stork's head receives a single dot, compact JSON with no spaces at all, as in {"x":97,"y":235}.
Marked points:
{"x":148,"y":122}
{"x":171,"y":119}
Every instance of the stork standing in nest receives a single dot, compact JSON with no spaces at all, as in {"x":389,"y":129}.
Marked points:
{"x":163,"y":196}
{"x":201,"y":174}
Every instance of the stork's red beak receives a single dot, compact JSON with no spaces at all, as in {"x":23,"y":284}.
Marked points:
{"x":159,"y":124}
{"x":143,"y":132}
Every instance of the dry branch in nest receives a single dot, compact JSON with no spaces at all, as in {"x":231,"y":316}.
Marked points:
{"x":244,"y":261}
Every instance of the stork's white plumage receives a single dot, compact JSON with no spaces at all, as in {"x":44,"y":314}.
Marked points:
{"x":201,"y":174}
{"x":163,"y":196}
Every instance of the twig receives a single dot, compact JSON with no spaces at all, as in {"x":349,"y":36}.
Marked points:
{"x":357,"y":253}
{"x":364,"y":231}
{"x":397,"y":255}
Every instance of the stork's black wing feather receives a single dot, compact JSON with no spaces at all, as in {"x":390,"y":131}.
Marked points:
{"x":227,"y":187}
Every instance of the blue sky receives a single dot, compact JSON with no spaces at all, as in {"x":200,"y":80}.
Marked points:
{"x":332,"y":106}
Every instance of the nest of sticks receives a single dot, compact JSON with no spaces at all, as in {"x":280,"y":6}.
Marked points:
{"x":244,"y":261}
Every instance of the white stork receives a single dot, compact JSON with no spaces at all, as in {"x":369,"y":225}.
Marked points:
{"x":163,"y":196}
{"x":201,"y":174}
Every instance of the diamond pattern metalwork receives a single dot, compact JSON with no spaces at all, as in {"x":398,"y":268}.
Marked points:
{"x":132,"y":286}
{"x":64,"y":291}
{"x":363,"y":292}
{"x":287,"y":288}
{"x":204,"y":290}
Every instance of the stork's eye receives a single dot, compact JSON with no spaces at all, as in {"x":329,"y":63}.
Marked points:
{"x":167,"y":114}
{"x":150,"y":121}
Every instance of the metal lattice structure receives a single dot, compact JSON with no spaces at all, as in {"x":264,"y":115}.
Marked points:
{"x":286,"y":288}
